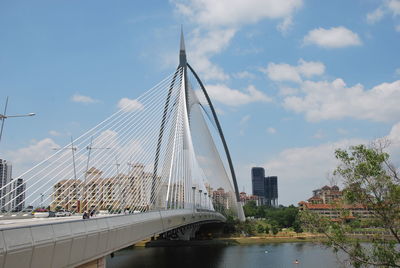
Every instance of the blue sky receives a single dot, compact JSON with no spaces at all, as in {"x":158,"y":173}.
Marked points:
{"x":303,"y":77}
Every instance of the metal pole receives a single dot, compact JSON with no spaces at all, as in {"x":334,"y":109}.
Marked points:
{"x":200,"y":197}
{"x":3,"y":118}
{"x":194,"y":198}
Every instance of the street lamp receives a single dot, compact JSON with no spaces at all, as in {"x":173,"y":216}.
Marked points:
{"x":4,"y":116}
{"x":200,"y":198}
{"x":194,"y":198}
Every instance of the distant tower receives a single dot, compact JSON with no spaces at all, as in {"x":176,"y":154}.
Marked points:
{"x":257,"y":181}
{"x":264,"y":187}
{"x":271,"y":190}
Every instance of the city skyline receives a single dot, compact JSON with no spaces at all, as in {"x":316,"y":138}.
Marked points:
{"x":291,"y":81}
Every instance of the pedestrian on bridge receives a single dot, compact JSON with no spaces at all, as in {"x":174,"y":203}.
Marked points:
{"x":85,"y":215}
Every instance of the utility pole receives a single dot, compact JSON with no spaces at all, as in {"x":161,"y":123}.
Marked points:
{"x":73,"y":149}
{"x":89,"y":148}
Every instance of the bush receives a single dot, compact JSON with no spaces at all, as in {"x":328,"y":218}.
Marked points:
{"x":274,"y":229}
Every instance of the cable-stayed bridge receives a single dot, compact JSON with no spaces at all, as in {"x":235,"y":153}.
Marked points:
{"x":159,"y":165}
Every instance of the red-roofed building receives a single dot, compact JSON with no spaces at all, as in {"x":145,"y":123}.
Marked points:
{"x":244,"y":198}
{"x":327,"y":202}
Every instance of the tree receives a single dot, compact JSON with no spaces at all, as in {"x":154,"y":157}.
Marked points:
{"x":274,"y":229}
{"x":250,"y":209}
{"x":372,"y":182}
{"x":260,"y":229}
{"x":266,"y":229}
{"x":249,"y":228}
{"x":297,"y":225}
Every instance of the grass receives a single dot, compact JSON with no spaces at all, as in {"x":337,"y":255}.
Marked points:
{"x":279,"y":238}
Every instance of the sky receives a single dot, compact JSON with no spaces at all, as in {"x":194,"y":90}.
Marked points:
{"x":291,"y":80}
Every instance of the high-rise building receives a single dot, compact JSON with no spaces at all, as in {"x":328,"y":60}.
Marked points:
{"x":257,"y":180}
{"x":264,"y":187}
{"x":12,"y":193}
{"x":271,"y":191}
{"x":5,"y":179}
{"x":18,"y":194}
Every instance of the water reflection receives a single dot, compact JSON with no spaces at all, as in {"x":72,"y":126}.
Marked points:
{"x":266,"y":256}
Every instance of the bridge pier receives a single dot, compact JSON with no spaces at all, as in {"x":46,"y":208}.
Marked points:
{"x":99,"y":263}
{"x":185,"y":233}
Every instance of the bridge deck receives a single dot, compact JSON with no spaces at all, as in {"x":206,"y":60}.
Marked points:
{"x":68,"y":242}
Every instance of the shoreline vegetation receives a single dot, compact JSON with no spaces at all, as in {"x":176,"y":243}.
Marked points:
{"x":237,"y":240}
{"x":240,"y":240}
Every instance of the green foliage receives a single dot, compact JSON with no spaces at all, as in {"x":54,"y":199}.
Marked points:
{"x":249,"y":228}
{"x":371,"y":181}
{"x":266,"y":229}
{"x":260,"y":229}
{"x":284,"y":217}
{"x":274,"y":229}
{"x":230,"y":225}
{"x":297,"y":225}
{"x":250,"y":209}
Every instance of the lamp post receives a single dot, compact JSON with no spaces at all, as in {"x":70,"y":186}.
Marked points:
{"x":200,"y":197}
{"x":4,"y":116}
{"x":194,"y":197}
{"x":205,"y":200}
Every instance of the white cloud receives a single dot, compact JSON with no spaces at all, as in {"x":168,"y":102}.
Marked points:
{"x":286,"y":91}
{"x":233,"y":13}
{"x":375,"y":16}
{"x":310,"y":68}
{"x":36,"y":152}
{"x":129,"y":105}
{"x":217,"y":23}
{"x":334,"y":100}
{"x":244,"y":75}
{"x":234,"y":97}
{"x":244,"y":119}
{"x":203,"y":47}
{"x":54,"y":133}
{"x":271,"y":130}
{"x":286,"y":72}
{"x":282,"y":72}
{"x":83,"y":99}
{"x":394,"y":6}
{"x":335,"y":37}
{"x":285,"y":25}
{"x":387,"y":7}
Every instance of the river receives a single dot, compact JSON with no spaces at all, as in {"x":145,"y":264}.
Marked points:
{"x":276,"y":255}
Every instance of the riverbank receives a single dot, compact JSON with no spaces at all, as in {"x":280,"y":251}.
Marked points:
{"x":241,"y":240}
{"x":235,"y":240}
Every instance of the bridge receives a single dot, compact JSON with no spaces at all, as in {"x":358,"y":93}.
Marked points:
{"x":159,"y":166}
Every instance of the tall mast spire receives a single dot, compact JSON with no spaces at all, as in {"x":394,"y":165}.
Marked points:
{"x":182,"y":51}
